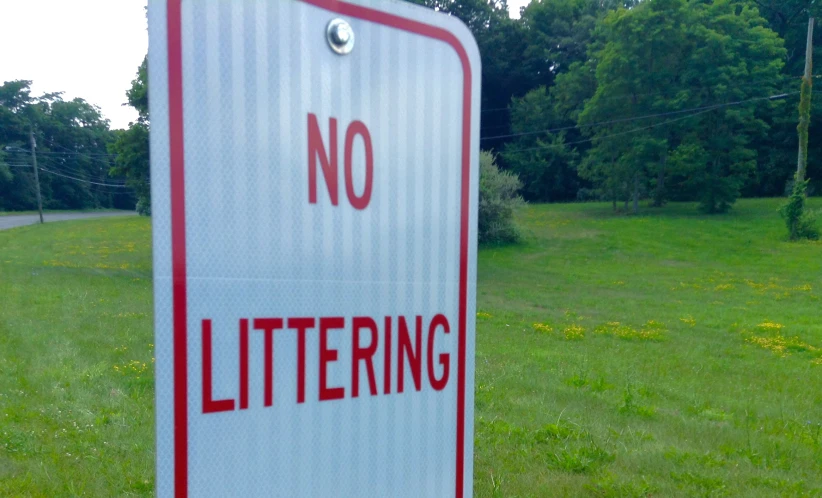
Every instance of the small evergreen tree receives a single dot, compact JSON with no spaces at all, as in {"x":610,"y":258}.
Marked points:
{"x":498,"y":199}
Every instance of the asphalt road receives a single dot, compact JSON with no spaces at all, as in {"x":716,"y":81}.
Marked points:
{"x":30,"y":219}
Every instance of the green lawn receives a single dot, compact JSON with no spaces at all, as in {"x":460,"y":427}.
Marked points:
{"x":669,"y":354}
{"x":76,"y":379}
{"x":56,"y":211}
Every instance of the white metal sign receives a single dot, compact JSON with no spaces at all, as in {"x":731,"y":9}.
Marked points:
{"x":314,"y":181}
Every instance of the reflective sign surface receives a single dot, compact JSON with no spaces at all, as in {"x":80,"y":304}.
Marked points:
{"x":314,"y":214}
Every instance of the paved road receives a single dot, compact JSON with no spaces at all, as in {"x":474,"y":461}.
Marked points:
{"x":30,"y":219}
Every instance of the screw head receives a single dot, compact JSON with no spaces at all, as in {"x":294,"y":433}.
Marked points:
{"x":340,"y":36}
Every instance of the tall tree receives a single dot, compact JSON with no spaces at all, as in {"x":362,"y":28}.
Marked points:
{"x":663,"y":57}
{"x":541,"y":159}
{"x":71,"y":138}
{"x":132,"y":145}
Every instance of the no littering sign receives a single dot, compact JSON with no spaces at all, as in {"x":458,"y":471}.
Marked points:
{"x":314,"y":181}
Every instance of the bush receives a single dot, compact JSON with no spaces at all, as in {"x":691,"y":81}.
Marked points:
{"x":801,"y":223}
{"x":498,"y":199}
{"x":144,"y":207}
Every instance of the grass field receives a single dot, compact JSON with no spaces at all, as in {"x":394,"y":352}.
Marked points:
{"x":669,"y":354}
{"x":55,"y":211}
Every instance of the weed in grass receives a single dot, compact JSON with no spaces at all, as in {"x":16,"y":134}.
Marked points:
{"x":543,"y":327}
{"x":630,"y":405}
{"x":483,"y":395}
{"x":496,"y":486}
{"x":580,"y":460}
{"x":701,"y":485}
{"x":573,"y":333}
{"x":600,"y":385}
{"x":578,"y":381}
{"x":785,"y":487}
{"x":651,"y":331}
{"x":707,"y":460}
{"x":608,"y":485}
{"x":780,"y":345}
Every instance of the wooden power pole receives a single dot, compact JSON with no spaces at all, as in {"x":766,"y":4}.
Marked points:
{"x":805,"y":107}
{"x":36,"y":173}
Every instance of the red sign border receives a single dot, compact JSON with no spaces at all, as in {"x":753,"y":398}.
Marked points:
{"x":178,"y":231}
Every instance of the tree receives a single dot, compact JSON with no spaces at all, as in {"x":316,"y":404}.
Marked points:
{"x":132,"y":145}
{"x":71,"y":139}
{"x":541,"y":160}
{"x":501,"y":42}
{"x":498,"y":201}
{"x":777,"y":151}
{"x":664,"y":57}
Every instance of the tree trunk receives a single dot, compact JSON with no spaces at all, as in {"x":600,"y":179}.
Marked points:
{"x":805,"y":107}
{"x":636,"y":194}
{"x":659,"y":196}
{"x":614,"y":193}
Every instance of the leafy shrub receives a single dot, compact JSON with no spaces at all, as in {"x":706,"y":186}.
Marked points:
{"x":801,"y":223}
{"x":144,"y":206}
{"x":498,"y":199}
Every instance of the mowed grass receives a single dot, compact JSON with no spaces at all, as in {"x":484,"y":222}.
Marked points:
{"x":668,"y":354}
{"x":76,"y":378}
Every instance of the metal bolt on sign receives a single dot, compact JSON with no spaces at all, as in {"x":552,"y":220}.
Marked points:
{"x":340,"y":36}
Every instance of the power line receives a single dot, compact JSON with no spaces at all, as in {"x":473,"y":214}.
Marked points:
{"x":627,"y":132}
{"x":85,"y":175}
{"x":84,"y":181}
{"x":90,"y":154}
{"x":637,"y":118}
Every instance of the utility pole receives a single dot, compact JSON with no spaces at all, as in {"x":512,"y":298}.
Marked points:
{"x":36,"y":174}
{"x":805,"y":107}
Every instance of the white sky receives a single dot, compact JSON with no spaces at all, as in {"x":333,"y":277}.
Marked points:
{"x":514,"y":5}
{"x":85,"y":48}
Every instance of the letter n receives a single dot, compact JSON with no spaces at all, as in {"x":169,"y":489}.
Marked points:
{"x":316,"y":149}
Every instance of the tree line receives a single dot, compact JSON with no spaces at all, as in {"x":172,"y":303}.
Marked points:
{"x":616,"y":100}
{"x":72,"y":144}
{"x":665,"y":100}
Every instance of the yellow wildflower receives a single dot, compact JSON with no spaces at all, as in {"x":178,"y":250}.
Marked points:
{"x":574,"y":332}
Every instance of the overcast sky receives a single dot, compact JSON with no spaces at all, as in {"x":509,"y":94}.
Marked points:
{"x":514,"y":6}
{"x":85,"y":48}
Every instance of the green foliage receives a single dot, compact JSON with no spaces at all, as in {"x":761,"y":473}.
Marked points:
{"x":132,"y":149}
{"x":498,"y":200}
{"x":71,"y":138}
{"x":665,"y":56}
{"x":801,"y":223}
{"x":542,"y":161}
{"x":132,"y":145}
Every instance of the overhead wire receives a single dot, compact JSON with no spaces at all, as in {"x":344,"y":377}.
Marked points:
{"x":637,"y":118}
{"x":82,"y":180}
{"x":627,"y":132}
{"x":68,"y":170}
{"x":614,"y":97}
